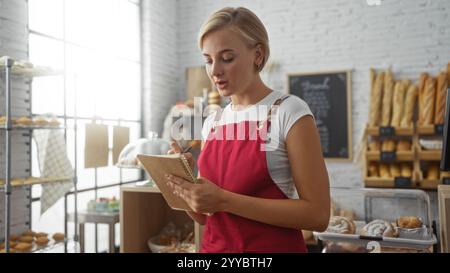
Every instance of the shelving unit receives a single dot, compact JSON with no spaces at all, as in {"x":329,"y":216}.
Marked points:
{"x":8,"y":127}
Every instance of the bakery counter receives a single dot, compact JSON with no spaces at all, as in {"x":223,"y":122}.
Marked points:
{"x":144,"y":214}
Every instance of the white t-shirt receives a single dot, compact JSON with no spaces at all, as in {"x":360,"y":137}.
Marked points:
{"x":290,"y":110}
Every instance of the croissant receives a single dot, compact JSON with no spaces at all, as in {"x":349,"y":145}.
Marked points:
{"x":341,"y":225}
{"x":409,"y":222}
{"x":379,"y":228}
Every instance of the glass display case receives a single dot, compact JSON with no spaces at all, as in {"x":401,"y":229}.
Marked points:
{"x":378,"y":220}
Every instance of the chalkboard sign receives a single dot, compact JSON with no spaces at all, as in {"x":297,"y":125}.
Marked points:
{"x":328,"y":95}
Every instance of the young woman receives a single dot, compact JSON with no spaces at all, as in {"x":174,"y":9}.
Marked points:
{"x":256,"y":190}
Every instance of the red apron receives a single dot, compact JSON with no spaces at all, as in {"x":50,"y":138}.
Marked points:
{"x":240,"y":166}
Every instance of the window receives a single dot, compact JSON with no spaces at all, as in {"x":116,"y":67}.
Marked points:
{"x":96,"y":44}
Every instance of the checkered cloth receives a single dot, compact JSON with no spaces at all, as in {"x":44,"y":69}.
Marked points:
{"x":53,"y":162}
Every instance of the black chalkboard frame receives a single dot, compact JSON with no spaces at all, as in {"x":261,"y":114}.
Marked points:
{"x":348,"y":75}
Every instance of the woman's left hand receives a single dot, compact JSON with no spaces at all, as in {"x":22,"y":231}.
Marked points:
{"x":203,"y":196}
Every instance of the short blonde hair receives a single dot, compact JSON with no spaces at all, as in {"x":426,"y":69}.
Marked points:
{"x":242,"y":21}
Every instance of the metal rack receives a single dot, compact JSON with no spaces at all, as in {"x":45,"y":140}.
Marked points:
{"x":8,"y":128}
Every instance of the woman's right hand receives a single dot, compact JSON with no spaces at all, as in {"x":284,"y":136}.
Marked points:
{"x":175,"y":149}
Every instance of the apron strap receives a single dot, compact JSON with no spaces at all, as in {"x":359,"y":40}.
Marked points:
{"x":272,"y":110}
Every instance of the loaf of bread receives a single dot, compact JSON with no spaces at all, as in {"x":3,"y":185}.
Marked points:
{"x":406,"y":170}
{"x":441,"y":95}
{"x":375,"y":102}
{"x":433,"y":172}
{"x":388,"y":93}
{"x":373,"y":170}
{"x":395,"y":170}
{"x":403,"y":146}
{"x":399,"y":104}
{"x":374,"y":146}
{"x":384,"y":171}
{"x":372,"y":77}
{"x":410,"y":102}
{"x":429,"y":101}
{"x":422,"y":82}
{"x":388,"y":145}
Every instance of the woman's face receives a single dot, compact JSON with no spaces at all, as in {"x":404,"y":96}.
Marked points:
{"x":230,"y":63}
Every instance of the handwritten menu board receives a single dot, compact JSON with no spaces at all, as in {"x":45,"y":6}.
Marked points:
{"x":328,"y":95}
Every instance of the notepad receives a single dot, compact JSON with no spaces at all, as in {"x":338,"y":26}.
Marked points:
{"x":159,"y":165}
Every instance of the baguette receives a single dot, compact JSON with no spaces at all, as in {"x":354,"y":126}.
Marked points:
{"x":399,"y":103}
{"x":375,"y":103}
{"x":422,"y":81}
{"x":429,"y":101}
{"x":441,"y":95}
{"x":387,"y":99}
{"x":410,"y":102}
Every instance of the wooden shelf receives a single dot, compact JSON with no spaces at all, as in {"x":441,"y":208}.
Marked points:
{"x":429,"y":184}
{"x":434,"y":155}
{"x":399,"y":131}
{"x":427,"y":130}
{"x":400,"y":156}
{"x":143,"y":214}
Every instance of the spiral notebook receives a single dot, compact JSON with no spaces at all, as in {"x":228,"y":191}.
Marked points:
{"x":159,"y":165}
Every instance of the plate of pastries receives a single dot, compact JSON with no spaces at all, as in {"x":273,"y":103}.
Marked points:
{"x":30,"y":241}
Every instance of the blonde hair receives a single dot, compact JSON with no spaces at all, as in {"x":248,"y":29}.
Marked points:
{"x":242,"y":21}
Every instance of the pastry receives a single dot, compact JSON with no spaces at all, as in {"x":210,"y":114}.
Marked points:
{"x":429,"y":102}
{"x":40,"y":121}
{"x":24,"y":121}
{"x":398,"y":103}
{"x":54,"y":122}
{"x":341,"y":225}
{"x":374,"y":146}
{"x":42,"y":241}
{"x":395,"y":170}
{"x":58,"y":237}
{"x":379,"y":228}
{"x":406,"y":170}
{"x":29,"y":233}
{"x":373,"y":169}
{"x":409,"y":222}
{"x":403,"y":146}
{"x":26,"y":239}
{"x":41,"y":234}
{"x":350,"y":215}
{"x":12,"y":244}
{"x":375,"y":102}
{"x":433,"y":172}
{"x":388,"y":145}
{"x":23,"y":247}
{"x":387,"y":98}
{"x":11,"y":250}
{"x":410,"y":103}
{"x":441,"y":95}
{"x":422,"y":81}
{"x":384,"y":171}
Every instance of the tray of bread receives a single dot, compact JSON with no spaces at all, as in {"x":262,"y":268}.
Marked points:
{"x":407,"y":232}
{"x":30,"y":241}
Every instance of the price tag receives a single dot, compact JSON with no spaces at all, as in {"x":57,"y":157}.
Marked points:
{"x":439,"y":129}
{"x":387,"y":131}
{"x":402,"y":182}
{"x":388,"y":157}
{"x":446,"y":180}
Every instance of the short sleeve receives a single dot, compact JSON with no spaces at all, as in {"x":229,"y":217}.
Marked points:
{"x":291,"y":110}
{"x":207,"y":125}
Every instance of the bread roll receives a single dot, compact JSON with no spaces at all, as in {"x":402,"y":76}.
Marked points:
{"x":399,"y":104}
{"x":429,"y":101}
{"x":375,"y":102}
{"x":433,"y":172}
{"x":395,"y":170}
{"x":422,"y":82}
{"x":441,"y":95}
{"x":374,"y":146}
{"x":388,"y":145}
{"x":410,"y":102}
{"x":384,"y":171}
{"x":373,"y":170}
{"x":406,"y":170}
{"x":409,"y":222}
{"x":403,"y":146}
{"x":387,"y":99}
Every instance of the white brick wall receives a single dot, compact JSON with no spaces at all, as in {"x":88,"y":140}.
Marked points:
{"x":14,"y":43}
{"x":160,"y":62}
{"x":410,"y":36}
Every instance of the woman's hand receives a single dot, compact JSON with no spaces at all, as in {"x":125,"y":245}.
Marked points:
{"x":176,"y":149}
{"x":203,"y":197}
